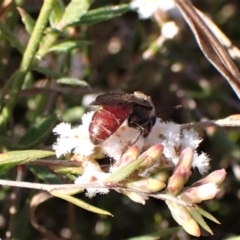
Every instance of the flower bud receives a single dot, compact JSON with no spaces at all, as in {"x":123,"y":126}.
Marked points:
{"x":184,"y":218}
{"x":181,"y":172}
{"x":175,"y":184}
{"x":216,"y":177}
{"x":131,"y":155}
{"x":154,"y":153}
{"x":147,"y":185}
{"x":185,"y":162}
{"x":161,"y":175}
{"x":136,"y":197}
{"x":200,"y":193}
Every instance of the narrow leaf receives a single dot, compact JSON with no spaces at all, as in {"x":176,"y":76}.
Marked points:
{"x":125,"y":171}
{"x":103,"y":14}
{"x":81,"y":203}
{"x":45,"y":174}
{"x":73,"y":114}
{"x":199,"y":219}
{"x":68,"y":170}
{"x":74,"y":11}
{"x":28,"y":21}
{"x":206,"y":214}
{"x":66,"y":191}
{"x":57,"y":13}
{"x":210,"y":45}
{"x":73,"y":82}
{"x":11,"y":159}
{"x":37,"y":133}
{"x":68,"y":46}
{"x":8,"y":34}
{"x":156,"y":235}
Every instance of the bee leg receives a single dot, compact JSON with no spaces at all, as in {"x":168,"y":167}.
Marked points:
{"x":141,"y":130}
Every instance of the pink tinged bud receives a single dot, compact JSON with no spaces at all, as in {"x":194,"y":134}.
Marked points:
{"x":175,"y":184}
{"x":184,"y":218}
{"x":155,"y":151}
{"x":147,"y":185}
{"x":184,"y":165}
{"x":128,"y":157}
{"x":153,"y":155}
{"x":200,"y":193}
{"x":185,"y":162}
{"x":216,"y":177}
{"x":181,"y":172}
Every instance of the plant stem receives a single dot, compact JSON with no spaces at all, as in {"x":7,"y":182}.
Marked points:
{"x":26,"y":62}
{"x":70,"y":187}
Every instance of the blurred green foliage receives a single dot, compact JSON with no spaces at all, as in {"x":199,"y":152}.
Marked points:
{"x":87,"y":48}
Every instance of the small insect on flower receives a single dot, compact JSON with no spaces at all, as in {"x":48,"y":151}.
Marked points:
{"x":115,"y":108}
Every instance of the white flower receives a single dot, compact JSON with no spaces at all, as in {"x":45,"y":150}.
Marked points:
{"x":168,"y":134}
{"x":163,"y":132}
{"x":93,"y":175}
{"x":74,"y":139}
{"x":190,"y":138}
{"x":201,"y":162}
{"x":119,"y":142}
{"x":146,"y":8}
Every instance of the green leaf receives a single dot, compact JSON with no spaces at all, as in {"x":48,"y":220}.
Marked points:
{"x":206,"y":214}
{"x":37,"y":133}
{"x":57,"y":13}
{"x":8,"y":34}
{"x":80,"y":203}
{"x":156,"y":235}
{"x":68,"y":170}
{"x":73,"y":114}
{"x":125,"y":171}
{"x":11,"y":159}
{"x":103,"y":14}
{"x":45,"y":174}
{"x":28,"y":21}
{"x":74,"y":11}
{"x":73,"y":82}
{"x":68,"y":46}
{"x":199,"y":219}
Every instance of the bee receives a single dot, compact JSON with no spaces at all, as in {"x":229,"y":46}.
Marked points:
{"x":115,"y":108}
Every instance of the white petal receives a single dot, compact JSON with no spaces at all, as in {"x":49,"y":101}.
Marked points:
{"x":119,"y":142}
{"x":62,"y":129}
{"x":201,"y":162}
{"x":190,"y":139}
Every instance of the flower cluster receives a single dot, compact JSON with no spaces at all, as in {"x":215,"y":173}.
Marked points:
{"x":76,"y":140}
{"x":190,"y":216}
{"x":137,"y":163}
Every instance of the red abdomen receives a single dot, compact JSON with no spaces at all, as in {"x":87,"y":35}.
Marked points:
{"x":106,"y":120}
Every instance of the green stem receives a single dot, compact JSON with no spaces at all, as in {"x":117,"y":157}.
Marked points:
{"x":26,"y":62}
{"x":36,"y":35}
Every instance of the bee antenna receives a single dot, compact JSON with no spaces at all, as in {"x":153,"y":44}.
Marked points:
{"x":169,"y":109}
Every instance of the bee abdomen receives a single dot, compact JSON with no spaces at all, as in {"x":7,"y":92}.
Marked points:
{"x":106,"y":120}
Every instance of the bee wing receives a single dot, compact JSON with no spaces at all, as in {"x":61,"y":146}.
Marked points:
{"x":120,"y":99}
{"x":109,"y":99}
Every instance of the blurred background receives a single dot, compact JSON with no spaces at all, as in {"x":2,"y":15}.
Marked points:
{"x":122,"y":54}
